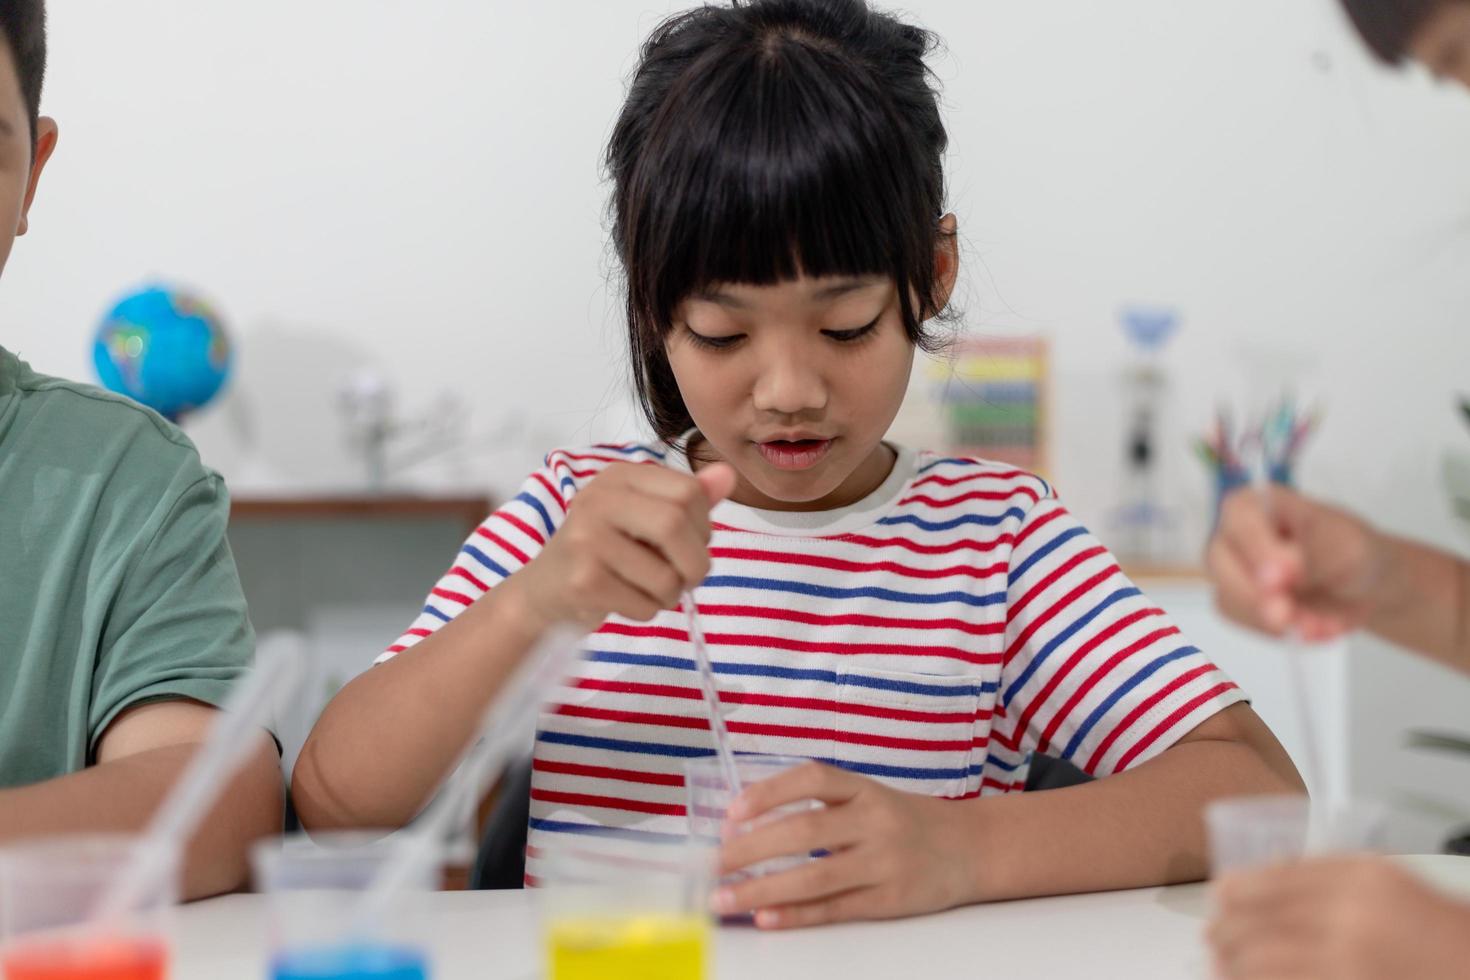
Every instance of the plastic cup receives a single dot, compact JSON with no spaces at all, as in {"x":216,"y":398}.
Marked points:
{"x":1251,"y":831}
{"x":708,"y":796}
{"x":50,"y":888}
{"x":625,"y":910}
{"x":314,"y":885}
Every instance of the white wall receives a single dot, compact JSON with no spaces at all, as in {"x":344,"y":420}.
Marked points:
{"x":415,"y":186}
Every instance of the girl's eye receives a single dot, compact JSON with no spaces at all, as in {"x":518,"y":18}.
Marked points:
{"x":714,"y":343}
{"x":856,"y":333}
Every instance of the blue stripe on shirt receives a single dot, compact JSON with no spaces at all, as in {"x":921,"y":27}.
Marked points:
{"x":1075,"y":742}
{"x":952,"y":461}
{"x":865,"y":592}
{"x":1040,"y":656}
{"x":984,"y":520}
{"x":1042,"y":552}
{"x":631,"y":450}
{"x":485,"y":560}
{"x":698,"y":752}
{"x":792,"y":673}
{"x":526,"y":498}
{"x":599,"y":830}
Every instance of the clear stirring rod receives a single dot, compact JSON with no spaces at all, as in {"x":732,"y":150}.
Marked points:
{"x":506,"y":728}
{"x":1296,"y":670}
{"x":706,"y":672}
{"x":233,"y":731}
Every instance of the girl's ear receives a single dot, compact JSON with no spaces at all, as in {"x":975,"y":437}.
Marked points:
{"x":946,"y":260}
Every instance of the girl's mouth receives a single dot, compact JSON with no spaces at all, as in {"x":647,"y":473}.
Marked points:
{"x":794,"y":454}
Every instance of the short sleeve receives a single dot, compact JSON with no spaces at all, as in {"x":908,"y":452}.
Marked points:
{"x":1094,"y":672}
{"x":506,"y":541}
{"x":178,"y":626}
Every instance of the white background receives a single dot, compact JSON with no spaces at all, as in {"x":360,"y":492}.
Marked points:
{"x":416,"y":187}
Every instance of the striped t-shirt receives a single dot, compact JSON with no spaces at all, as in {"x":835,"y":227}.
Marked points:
{"x":932,"y":635}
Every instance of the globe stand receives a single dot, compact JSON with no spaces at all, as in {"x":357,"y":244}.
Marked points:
{"x":386,"y":444}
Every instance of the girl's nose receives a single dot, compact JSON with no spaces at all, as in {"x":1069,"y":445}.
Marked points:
{"x":787,"y":386}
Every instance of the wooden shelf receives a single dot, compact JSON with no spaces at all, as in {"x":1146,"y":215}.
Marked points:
{"x":468,"y":510}
{"x":1145,"y":572}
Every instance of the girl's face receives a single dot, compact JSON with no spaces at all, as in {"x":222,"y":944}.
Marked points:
{"x":795,"y":384}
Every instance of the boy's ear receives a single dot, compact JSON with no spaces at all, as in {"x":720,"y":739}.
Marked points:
{"x":46,"y":135}
{"x":946,"y":260}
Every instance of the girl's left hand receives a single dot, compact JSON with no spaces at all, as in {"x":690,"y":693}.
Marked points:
{"x":1344,"y":918}
{"x":891,"y":853}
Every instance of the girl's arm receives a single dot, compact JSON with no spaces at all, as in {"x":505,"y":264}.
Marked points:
{"x":896,"y":854}
{"x":389,"y":737}
{"x":1137,"y":828}
{"x":637,"y":537}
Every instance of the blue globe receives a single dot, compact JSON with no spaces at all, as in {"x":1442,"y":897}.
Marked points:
{"x":165,"y":348}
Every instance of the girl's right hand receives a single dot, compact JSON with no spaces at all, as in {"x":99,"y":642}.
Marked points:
{"x":1292,"y":563}
{"x":634,"y":539}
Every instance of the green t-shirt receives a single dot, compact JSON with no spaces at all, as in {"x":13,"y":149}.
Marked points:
{"x":117,"y":586}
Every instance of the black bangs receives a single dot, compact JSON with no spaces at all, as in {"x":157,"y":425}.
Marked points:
{"x":1388,"y":26}
{"x":765,"y":141}
{"x":813,"y":189}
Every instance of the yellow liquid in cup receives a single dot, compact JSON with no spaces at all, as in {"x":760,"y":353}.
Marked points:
{"x":634,"y":947}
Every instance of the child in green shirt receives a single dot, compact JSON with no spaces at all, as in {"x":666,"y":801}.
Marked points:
{"x":122,"y":623}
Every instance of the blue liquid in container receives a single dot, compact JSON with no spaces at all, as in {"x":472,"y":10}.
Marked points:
{"x":354,"y":962}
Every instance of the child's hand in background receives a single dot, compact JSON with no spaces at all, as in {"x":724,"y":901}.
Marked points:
{"x":891,"y":853}
{"x":1299,"y":565}
{"x":1345,"y":918}
{"x":634,"y":539}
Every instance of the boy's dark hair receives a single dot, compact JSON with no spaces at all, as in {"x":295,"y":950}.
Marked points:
{"x":1389,"y":25}
{"x":766,"y":139}
{"x":24,"y":24}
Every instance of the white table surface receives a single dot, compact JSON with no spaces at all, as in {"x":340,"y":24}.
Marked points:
{"x":1151,"y":932}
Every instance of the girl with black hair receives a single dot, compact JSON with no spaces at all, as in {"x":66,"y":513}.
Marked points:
{"x":917,"y":624}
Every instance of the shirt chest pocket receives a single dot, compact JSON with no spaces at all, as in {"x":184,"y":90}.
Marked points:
{"x":915,"y":732}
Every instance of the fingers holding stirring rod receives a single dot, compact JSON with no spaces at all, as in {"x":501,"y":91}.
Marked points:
{"x":1284,"y":563}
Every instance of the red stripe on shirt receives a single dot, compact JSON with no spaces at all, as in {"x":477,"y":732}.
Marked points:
{"x":1031,"y":528}
{"x":1014,"y":787}
{"x":608,"y":772}
{"x":1096,"y":677}
{"x":1042,"y":697}
{"x":608,"y":802}
{"x":469,"y":577}
{"x":843,"y":565}
{"x":928,"y":501}
{"x":584,"y":457}
{"x":521,"y":526}
{"x":949,"y":481}
{"x":1064,"y":602}
{"x":458,"y":597}
{"x":1142,"y":708}
{"x":555,"y":494}
{"x":1182,"y":712}
{"x":801,"y":646}
{"x":496,"y":539}
{"x":636,"y":688}
{"x":851,"y":619}
{"x":1014,"y":609}
{"x":909,"y":544}
{"x":764,"y":729}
